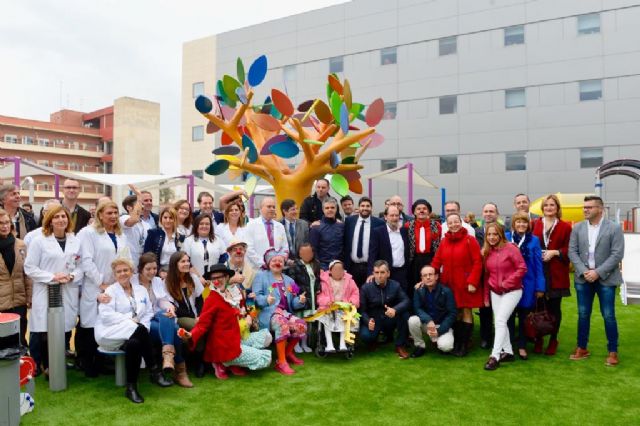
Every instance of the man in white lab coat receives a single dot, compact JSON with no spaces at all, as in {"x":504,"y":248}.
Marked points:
{"x":265,"y":232}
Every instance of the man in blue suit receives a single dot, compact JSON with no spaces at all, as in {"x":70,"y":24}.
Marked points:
{"x":358,"y":230}
{"x":391,"y":244}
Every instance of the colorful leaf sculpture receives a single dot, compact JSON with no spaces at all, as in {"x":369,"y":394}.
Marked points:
{"x":257,"y":71}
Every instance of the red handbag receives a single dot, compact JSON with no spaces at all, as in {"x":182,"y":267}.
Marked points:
{"x":540,"y":322}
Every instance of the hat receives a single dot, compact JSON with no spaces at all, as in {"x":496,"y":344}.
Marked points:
{"x":219,"y":267}
{"x":271,"y":253}
{"x":235,"y":242}
{"x":418,"y":202}
{"x":333,"y":262}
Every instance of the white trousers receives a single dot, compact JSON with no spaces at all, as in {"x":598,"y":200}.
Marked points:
{"x":417,"y":329}
{"x":503,"y":306}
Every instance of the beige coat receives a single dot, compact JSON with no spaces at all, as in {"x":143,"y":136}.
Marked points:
{"x":15,"y":289}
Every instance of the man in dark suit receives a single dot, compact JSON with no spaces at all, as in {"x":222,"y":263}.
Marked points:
{"x":596,"y":249}
{"x":297,"y":230}
{"x":358,"y":231}
{"x":391,"y":244}
{"x":521,"y":203}
{"x":79,"y":216}
{"x":312,"y":209}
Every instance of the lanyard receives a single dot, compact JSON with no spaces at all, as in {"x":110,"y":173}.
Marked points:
{"x":519,"y":243}
{"x":546,"y":235}
{"x":134,"y":305}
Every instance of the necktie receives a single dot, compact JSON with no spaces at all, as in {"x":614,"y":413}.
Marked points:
{"x":359,"y":253}
{"x":206,"y":252}
{"x":423,"y":237}
{"x":269,"y":226}
{"x":292,"y":232}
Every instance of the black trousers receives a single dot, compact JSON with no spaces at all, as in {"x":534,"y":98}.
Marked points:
{"x":359,"y":273}
{"x":387,"y":325}
{"x":39,"y":347}
{"x":400,"y":275}
{"x":22,"y":311}
{"x":419,"y":260}
{"x":137,"y":347}
{"x":87,"y":350}
{"x":554,"y":306}
{"x":486,"y":324}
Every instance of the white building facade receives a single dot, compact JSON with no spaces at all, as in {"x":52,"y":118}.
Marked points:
{"x":487,"y":98}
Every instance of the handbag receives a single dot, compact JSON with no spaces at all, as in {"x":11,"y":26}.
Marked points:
{"x":540,"y":322}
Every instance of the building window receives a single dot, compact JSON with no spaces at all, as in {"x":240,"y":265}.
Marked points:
{"x":515,"y":161}
{"x":590,"y":157}
{"x":388,"y":56}
{"x":589,"y":24}
{"x":74,"y":167}
{"x":43,"y":163}
{"x":197,"y":133}
{"x":448,"y":46}
{"x":27,"y":140}
{"x":43,"y":142}
{"x":198,"y":173}
{"x":10,"y":138}
{"x":289,"y":72}
{"x":514,"y":35}
{"x":514,"y":98}
{"x":448,"y":104}
{"x":390,"y":111}
{"x":448,"y":164}
{"x":197,"y":89}
{"x":590,"y":90}
{"x":336,"y":64}
{"x":388,"y":164}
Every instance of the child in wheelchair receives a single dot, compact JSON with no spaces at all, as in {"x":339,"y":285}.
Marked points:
{"x":339,"y":297}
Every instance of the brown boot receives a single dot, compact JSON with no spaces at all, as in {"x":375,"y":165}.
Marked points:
{"x":181,"y":377}
{"x":168,"y":352}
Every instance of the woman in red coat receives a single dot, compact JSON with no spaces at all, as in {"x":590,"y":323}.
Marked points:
{"x":219,"y":321}
{"x":461,"y":262}
{"x":554,"y":235}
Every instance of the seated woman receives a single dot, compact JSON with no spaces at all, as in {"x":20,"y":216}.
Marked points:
{"x":225,"y":346}
{"x":185,"y":293}
{"x":276,"y":297}
{"x":123,"y":323}
{"x":337,"y":286}
{"x":164,"y":240}
{"x":164,"y":329}
{"x":305,"y":272}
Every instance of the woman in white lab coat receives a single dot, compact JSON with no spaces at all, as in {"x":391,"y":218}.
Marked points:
{"x":53,"y":256}
{"x":123,"y":324}
{"x":100,"y":244}
{"x":203,"y":247}
{"x":164,"y":327}
{"x":234,"y":226}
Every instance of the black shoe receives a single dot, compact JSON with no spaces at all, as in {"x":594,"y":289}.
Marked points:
{"x":157,"y":377}
{"x":506,"y":357}
{"x":200,"y":370}
{"x":492,"y":364}
{"x":418,"y":352}
{"x":132,"y":393}
{"x":484,"y":344}
{"x":523,"y":357}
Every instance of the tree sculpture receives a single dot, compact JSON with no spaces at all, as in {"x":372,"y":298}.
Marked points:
{"x":267,"y":134}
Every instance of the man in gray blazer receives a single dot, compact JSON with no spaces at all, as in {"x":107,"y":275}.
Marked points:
{"x":297,"y":230}
{"x":596,"y":249}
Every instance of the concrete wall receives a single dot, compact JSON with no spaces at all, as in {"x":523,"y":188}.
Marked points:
{"x":136,"y":136}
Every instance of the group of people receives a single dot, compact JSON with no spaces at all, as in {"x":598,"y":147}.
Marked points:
{"x":215,"y":288}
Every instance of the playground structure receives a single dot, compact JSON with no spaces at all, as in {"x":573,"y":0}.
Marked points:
{"x":258,"y":138}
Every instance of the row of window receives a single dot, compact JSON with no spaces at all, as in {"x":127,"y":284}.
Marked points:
{"x":55,"y":143}
{"x":514,"y":161}
{"x":94,"y":189}
{"x":76,"y":167}
{"x":513,"y":98}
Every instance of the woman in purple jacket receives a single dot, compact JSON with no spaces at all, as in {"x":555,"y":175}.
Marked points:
{"x":504,"y":269}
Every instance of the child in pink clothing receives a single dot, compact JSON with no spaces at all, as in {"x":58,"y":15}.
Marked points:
{"x":336,"y":286}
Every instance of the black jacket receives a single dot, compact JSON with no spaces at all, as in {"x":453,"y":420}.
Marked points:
{"x":380,"y":247}
{"x":349,"y":234}
{"x":373,"y":298}
{"x":311,"y":209}
{"x":82,"y":218}
{"x":155,"y":242}
{"x":298,"y":272}
{"x":444,"y":306}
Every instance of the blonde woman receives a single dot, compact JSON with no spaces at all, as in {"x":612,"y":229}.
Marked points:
{"x":164,"y":240}
{"x":100,"y":244}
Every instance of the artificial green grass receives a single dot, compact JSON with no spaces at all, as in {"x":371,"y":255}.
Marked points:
{"x":380,"y":389}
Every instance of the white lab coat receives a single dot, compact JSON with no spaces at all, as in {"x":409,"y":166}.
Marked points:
{"x":97,"y":251}
{"x":136,"y":235}
{"x":258,"y":242}
{"x":223,"y":232}
{"x":195,"y":249}
{"x":114,"y":324}
{"x":31,"y":235}
{"x":45,"y":258}
{"x":159,"y":289}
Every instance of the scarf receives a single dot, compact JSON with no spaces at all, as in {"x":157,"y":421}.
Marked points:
{"x":433,"y":236}
{"x":523,"y":247}
{"x":7,"y":250}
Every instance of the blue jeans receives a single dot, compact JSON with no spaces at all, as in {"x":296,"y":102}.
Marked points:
{"x":607,"y":297}
{"x":165,"y":331}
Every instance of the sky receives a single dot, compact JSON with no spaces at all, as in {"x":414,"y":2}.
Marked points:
{"x":81,"y":55}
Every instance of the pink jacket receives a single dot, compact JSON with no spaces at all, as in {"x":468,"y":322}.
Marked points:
{"x":504,"y":269}
{"x":350,"y":294}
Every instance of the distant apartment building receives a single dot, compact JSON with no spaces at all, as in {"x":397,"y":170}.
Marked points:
{"x":122,"y":138}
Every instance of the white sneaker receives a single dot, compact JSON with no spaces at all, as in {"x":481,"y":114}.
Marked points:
{"x":306,"y":347}
{"x":297,"y":349}
{"x":330,"y":349}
